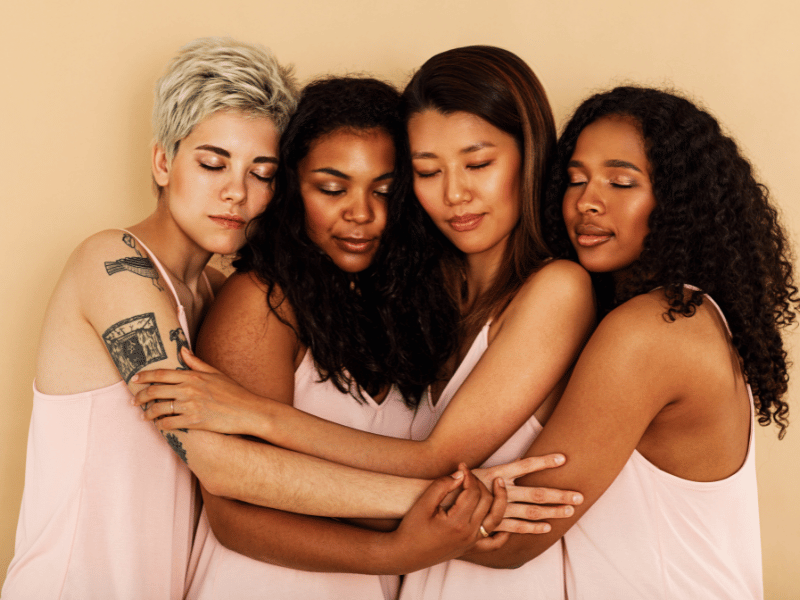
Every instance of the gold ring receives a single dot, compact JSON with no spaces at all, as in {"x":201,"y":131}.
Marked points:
{"x":483,"y":531}
{"x":172,"y":407}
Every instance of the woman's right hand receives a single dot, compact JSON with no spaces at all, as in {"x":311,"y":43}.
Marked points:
{"x":200,"y":398}
{"x":430,"y":534}
{"x":528,"y":506}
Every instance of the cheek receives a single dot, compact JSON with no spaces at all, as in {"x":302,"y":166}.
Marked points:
{"x":318,"y":219}
{"x":425,"y":191}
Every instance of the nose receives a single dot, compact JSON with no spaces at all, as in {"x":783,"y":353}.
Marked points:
{"x":235,"y":189}
{"x":360,"y":209}
{"x":456,"y":189}
{"x":590,"y":200}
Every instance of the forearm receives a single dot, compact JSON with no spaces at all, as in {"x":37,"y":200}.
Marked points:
{"x":294,"y":429}
{"x":266,"y":475}
{"x":299,"y":541}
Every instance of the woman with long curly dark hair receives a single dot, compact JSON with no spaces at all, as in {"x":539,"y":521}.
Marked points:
{"x":658,"y":417}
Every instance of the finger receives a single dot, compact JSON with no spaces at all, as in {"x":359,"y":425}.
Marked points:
{"x":174,"y":422}
{"x":498,"y":507}
{"x":468,"y":500}
{"x":438,"y":490}
{"x":159,"y":376}
{"x":531,"y":464}
{"x":194,"y":363}
{"x":517,"y":526}
{"x":494,"y":542}
{"x":157,"y":410}
{"x":539,"y":495}
{"x":536,"y":512}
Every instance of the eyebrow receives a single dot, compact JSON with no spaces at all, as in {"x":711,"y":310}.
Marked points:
{"x":469,"y":149}
{"x":613,"y":163}
{"x":340,"y":175}
{"x":226,"y":154}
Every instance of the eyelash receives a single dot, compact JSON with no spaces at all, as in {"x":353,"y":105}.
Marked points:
{"x":256,"y":175}
{"x":470,"y":167}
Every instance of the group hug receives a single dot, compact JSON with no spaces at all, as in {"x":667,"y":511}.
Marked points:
{"x":458,"y":357}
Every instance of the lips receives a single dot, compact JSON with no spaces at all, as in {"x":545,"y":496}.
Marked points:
{"x":589,"y":235}
{"x":466,"y":222}
{"x":229,"y":221}
{"x":356,"y":245}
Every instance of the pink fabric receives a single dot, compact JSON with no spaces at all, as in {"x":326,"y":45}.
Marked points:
{"x":541,"y":578}
{"x":653,"y":535}
{"x":222,"y":573}
{"x":108,"y":508}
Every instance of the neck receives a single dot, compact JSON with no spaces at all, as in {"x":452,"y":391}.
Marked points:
{"x":482,"y":270}
{"x":179,"y":255}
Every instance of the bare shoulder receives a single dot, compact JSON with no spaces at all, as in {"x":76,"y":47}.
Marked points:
{"x":241,"y":330}
{"x":561,"y":288}
{"x":640,"y":329}
{"x":109,"y":290}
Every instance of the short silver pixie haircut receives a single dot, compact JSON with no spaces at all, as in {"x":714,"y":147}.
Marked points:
{"x":213,"y":74}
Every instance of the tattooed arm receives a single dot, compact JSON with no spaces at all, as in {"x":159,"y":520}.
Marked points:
{"x":105,"y":322}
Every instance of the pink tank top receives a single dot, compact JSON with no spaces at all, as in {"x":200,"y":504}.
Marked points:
{"x":655,"y":536}
{"x":541,"y":578}
{"x":108,"y":508}
{"x":222,"y":573}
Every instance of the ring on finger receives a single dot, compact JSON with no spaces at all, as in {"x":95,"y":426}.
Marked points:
{"x":172,"y":407}
{"x":483,"y":531}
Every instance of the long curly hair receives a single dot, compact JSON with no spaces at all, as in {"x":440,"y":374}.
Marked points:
{"x":391,"y":324}
{"x":713,"y":227}
{"x":500,"y":88}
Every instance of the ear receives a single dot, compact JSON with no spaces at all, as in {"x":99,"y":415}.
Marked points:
{"x":160,"y":166}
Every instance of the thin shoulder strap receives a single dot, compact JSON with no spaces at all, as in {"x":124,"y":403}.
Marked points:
{"x":158,"y":265}
{"x":181,"y":311}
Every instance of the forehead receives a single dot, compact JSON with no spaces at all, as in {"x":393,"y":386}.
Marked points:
{"x":613,"y":137}
{"x":458,"y":129}
{"x":349,"y":145}
{"x":237,"y":129}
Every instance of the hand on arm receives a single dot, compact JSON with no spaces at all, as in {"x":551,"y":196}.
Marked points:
{"x":536,"y":344}
{"x":427,"y":535}
{"x":611,"y":399}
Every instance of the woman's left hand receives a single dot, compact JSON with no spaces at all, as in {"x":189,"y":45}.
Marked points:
{"x":200,"y":398}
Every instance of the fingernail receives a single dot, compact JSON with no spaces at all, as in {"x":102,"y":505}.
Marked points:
{"x":546,"y":528}
{"x":560,"y":460}
{"x":501,"y":482}
{"x":135,"y":378}
{"x":577,"y":498}
{"x":457,"y":475}
{"x":568,"y":511}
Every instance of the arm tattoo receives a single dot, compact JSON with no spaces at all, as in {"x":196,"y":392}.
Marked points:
{"x":176,"y":445}
{"x":134,"y":343}
{"x":140,"y":265}
{"x":177,"y":336}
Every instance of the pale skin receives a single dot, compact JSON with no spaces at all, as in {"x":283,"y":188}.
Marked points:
{"x":532,"y":343}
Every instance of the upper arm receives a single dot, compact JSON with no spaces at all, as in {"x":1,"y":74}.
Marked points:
{"x":244,"y":339}
{"x":127,"y":303}
{"x":538,"y":340}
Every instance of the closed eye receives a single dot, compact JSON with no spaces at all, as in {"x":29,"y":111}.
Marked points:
{"x":479,"y":166}
{"x":211,"y":168}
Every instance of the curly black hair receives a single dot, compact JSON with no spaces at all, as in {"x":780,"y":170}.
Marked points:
{"x":713,"y":227}
{"x":394,"y":323}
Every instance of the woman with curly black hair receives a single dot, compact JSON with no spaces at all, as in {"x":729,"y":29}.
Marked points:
{"x":657,"y":419}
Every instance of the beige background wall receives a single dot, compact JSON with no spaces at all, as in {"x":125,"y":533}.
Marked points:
{"x":76,"y":96}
